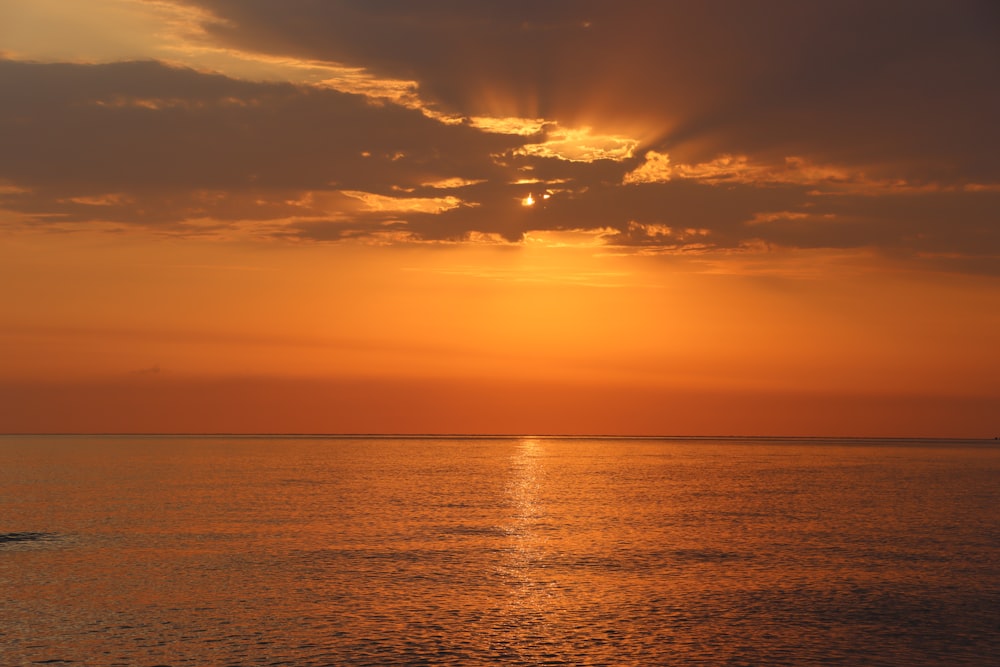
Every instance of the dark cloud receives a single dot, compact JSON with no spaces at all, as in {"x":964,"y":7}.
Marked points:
{"x":871,"y":83}
{"x":887,"y":109}
{"x":142,"y":124}
{"x":143,"y":143}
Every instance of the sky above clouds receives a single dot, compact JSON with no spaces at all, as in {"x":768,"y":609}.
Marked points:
{"x":520,"y":199}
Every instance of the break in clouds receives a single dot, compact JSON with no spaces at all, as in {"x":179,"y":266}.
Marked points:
{"x":655,"y":127}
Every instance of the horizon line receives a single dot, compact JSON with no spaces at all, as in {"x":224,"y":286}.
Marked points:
{"x":484,"y":436}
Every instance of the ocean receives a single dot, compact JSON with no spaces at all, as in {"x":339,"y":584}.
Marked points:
{"x":129,"y":550}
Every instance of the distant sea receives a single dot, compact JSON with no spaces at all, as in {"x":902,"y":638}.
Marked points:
{"x":128,"y":550}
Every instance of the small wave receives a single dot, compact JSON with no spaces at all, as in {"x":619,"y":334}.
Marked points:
{"x":486,"y":531}
{"x":27,"y":537}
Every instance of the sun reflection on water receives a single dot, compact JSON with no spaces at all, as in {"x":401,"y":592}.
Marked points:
{"x":522,"y":489}
{"x":532,"y":594}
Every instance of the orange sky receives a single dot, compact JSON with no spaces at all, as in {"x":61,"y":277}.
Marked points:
{"x":307,"y":217}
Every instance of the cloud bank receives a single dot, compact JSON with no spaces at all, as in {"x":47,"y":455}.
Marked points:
{"x":654,"y":128}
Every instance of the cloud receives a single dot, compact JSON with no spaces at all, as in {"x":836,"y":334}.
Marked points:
{"x":142,"y":124}
{"x":382,"y":203}
{"x":838,"y":125}
{"x":832,"y":81}
{"x":581,"y":145}
{"x":143,"y":143}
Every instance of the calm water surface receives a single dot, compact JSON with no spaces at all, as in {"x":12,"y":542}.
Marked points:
{"x":313,"y":551}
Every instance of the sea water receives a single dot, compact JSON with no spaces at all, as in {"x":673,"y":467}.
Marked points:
{"x":465,"y":551}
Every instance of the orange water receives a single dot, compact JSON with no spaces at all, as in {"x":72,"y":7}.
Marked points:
{"x":312,"y":551}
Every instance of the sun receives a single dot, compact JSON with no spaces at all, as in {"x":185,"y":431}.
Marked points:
{"x":530,"y":199}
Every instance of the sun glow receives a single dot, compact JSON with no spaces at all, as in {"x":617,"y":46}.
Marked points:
{"x":580,"y":145}
{"x":531,"y":200}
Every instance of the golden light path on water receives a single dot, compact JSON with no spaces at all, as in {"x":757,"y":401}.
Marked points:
{"x":522,"y":565}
